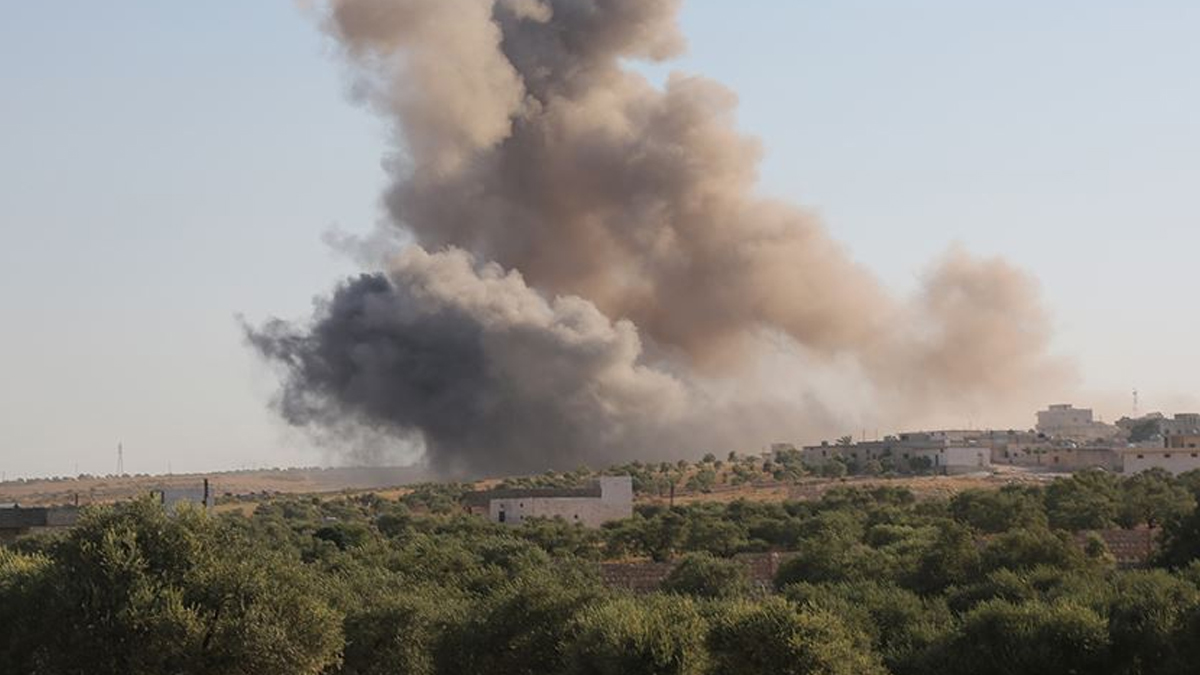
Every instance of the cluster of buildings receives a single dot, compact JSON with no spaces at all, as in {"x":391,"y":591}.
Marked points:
{"x":943,"y":452}
{"x":1065,"y":439}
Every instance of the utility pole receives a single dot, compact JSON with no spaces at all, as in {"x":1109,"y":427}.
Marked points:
{"x":120,"y":460}
{"x":1135,"y":404}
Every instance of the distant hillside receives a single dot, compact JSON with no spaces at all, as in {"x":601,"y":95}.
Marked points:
{"x":100,"y":489}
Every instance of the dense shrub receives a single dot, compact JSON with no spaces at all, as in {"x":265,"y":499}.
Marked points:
{"x":775,"y":636}
{"x":875,"y":581}
{"x":704,"y":576}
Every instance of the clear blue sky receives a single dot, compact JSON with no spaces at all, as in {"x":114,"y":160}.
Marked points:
{"x":165,"y":165}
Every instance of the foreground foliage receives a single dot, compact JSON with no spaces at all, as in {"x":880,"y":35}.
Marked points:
{"x":876,"y":582}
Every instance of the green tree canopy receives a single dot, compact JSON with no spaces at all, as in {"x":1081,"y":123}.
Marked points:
{"x":703,"y":575}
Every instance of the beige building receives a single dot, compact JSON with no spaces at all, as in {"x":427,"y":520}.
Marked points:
{"x":609,"y":498}
{"x":1174,"y":460}
{"x":1184,"y":442}
{"x":960,"y":460}
{"x":1076,"y":459}
{"x":1065,"y":421}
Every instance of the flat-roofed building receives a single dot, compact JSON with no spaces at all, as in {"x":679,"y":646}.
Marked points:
{"x":606,"y":499}
{"x":197,"y":495}
{"x":16,"y":520}
{"x":1068,"y":422}
{"x":1184,"y":442}
{"x":1175,"y":460}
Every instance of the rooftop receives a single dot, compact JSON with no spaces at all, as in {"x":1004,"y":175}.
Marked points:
{"x":15,"y":518}
{"x":483,"y":497}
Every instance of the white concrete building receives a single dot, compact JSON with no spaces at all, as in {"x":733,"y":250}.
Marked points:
{"x":959,"y":460}
{"x":610,"y":498}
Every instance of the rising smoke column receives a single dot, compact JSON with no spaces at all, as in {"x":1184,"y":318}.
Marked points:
{"x":492,"y":375}
{"x":603,"y":186}
{"x":525,"y":141}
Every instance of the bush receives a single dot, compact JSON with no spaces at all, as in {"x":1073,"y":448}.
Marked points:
{"x":993,"y":511}
{"x":702,"y":575}
{"x":133,"y":590}
{"x":776,"y":637}
{"x":1032,"y":638}
{"x":660,"y":635}
{"x":1026,"y":549}
{"x":902,"y":625}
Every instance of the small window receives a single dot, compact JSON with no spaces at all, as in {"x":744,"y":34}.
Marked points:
{"x":502,"y":516}
{"x":1141,"y":457}
{"x":1167,"y":455}
{"x":1194,"y":455}
{"x":576,"y":516}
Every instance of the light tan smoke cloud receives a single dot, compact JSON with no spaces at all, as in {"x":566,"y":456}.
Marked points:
{"x":436,"y":65}
{"x":643,"y":200}
{"x":974,"y":339}
{"x":529,"y":142}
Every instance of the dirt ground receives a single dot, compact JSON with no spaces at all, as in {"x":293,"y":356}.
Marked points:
{"x":924,"y":487}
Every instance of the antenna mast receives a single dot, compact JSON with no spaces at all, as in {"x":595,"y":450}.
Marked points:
{"x":120,"y":460}
{"x":1135,"y":403}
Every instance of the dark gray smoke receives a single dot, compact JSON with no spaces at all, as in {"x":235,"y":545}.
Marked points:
{"x":489,"y":374}
{"x":525,"y":140}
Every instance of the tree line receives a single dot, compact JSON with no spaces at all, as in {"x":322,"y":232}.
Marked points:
{"x":878,"y":582}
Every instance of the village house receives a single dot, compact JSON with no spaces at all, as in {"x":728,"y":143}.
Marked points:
{"x":1065,"y":421}
{"x":606,"y":499}
{"x":1178,"y":454}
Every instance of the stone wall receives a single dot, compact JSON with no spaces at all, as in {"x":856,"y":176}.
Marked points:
{"x":639,"y":577}
{"x":1130,"y":548}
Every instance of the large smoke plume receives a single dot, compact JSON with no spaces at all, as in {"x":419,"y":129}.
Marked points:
{"x":577,"y":211}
